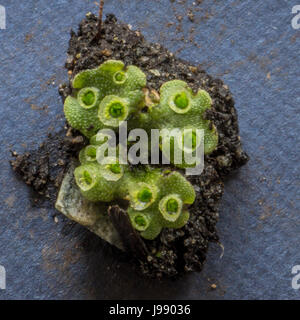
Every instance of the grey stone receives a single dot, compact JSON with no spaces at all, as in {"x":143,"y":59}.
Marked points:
{"x":91,"y":215}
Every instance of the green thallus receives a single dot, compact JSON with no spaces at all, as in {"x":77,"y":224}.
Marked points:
{"x":105,"y":97}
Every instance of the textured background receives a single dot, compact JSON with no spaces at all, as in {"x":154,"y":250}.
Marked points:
{"x":253,"y":48}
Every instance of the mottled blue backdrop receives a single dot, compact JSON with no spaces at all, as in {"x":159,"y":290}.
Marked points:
{"x":252,"y":46}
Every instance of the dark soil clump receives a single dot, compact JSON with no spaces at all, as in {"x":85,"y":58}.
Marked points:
{"x":43,"y":169}
{"x":174,"y":251}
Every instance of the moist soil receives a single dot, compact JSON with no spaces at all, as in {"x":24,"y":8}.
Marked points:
{"x":174,"y":251}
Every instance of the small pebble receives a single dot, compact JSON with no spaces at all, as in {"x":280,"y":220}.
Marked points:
{"x":106,"y":52}
{"x":155,"y":72}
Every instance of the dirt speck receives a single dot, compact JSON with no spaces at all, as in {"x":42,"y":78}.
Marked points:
{"x":35,"y":107}
{"x":213,"y":286}
{"x":10,"y":201}
{"x":28,"y":37}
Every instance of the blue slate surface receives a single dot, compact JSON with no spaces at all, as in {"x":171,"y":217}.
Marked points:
{"x":253,"y":48}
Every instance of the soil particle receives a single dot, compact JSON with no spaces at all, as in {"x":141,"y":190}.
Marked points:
{"x":174,"y":251}
{"x":10,"y":201}
{"x":28,"y":37}
{"x":191,"y":15}
{"x":213,"y":286}
{"x":43,"y":169}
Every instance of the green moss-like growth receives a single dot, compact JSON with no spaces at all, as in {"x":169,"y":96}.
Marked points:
{"x":105,"y":97}
{"x":180,"y":108}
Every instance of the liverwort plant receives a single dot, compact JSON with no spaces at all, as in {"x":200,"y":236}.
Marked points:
{"x":180,"y":108}
{"x":106,"y":97}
